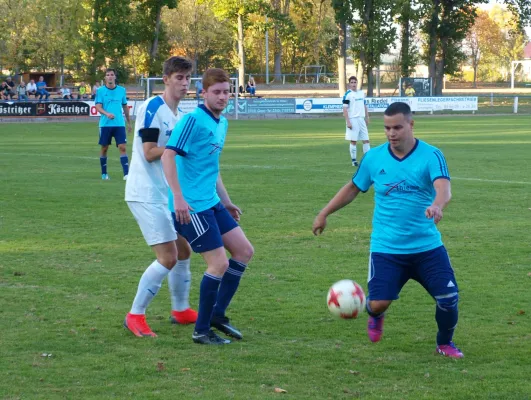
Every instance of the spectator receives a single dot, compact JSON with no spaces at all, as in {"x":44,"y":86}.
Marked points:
{"x":198,"y":88}
{"x":22,"y":91}
{"x":41,"y":89}
{"x":4,"y":91}
{"x":82,"y":91}
{"x":94,"y":90}
{"x":66,"y":93}
{"x":410,"y":92}
{"x":31,"y":88}
{"x":11,"y":85}
{"x":251,"y":87}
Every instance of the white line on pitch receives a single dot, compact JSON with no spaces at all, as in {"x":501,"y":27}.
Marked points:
{"x":247,"y":166}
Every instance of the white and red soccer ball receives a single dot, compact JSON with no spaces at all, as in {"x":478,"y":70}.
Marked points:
{"x":346,"y":299}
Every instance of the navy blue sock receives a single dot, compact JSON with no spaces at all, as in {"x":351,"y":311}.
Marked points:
{"x":208,"y":291}
{"x":103,"y":163}
{"x":125,"y":163}
{"x":446,"y":315}
{"x":370,"y":312}
{"x":228,"y":287}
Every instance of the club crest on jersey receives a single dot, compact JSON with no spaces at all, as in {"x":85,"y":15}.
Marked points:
{"x":401,"y":187}
{"x":168,"y":130}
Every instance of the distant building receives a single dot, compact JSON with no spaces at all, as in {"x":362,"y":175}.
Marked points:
{"x":527,"y":50}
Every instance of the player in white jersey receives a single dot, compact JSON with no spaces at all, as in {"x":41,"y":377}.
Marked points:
{"x":146,"y":194}
{"x":357,"y":118}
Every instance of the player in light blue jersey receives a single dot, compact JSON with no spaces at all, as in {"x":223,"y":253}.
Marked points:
{"x":412,"y":187}
{"x":202,"y":209}
{"x":110,"y":101}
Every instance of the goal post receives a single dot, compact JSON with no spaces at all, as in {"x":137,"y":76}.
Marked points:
{"x":155,"y":85}
{"x":514,"y":66}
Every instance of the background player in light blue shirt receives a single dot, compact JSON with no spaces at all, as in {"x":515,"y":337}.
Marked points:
{"x":412,"y":187}
{"x":201,"y":207}
{"x":110,"y":101}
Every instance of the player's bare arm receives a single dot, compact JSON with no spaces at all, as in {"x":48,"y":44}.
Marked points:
{"x":100,"y":109}
{"x":367,"y":119}
{"x":152,"y":152}
{"x":345,"y":114}
{"x":169,"y":166}
{"x":443,"y":195}
{"x":345,"y":196}
{"x":125,"y":107}
{"x":225,"y":199}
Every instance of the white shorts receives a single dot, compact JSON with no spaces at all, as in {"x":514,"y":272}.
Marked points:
{"x":154,"y":221}
{"x":359,"y":130}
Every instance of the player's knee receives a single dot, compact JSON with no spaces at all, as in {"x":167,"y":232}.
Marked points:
{"x":448,"y":302}
{"x":218,"y":267}
{"x":379,"y":306}
{"x":184,"y":250}
{"x":121,"y":147}
{"x":168,"y":260}
{"x":245,"y":253}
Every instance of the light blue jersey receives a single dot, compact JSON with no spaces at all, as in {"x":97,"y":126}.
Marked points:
{"x":198,"y":139}
{"x":112,"y":101}
{"x":403,"y":190}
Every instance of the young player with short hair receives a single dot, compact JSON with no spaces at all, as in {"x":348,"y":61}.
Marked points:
{"x":110,"y":101}
{"x":412,"y":187}
{"x":202,"y":209}
{"x":357,"y":118}
{"x":146,"y":193}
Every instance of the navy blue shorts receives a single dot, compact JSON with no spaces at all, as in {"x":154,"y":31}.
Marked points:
{"x":388,"y":273}
{"x":108,"y":132}
{"x":206,"y":228}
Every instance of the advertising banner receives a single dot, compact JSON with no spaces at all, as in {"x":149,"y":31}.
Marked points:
{"x":379,"y":104}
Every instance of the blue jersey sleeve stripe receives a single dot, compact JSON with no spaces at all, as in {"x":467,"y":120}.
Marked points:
{"x":184,"y":131}
{"x":442,"y":163}
{"x":188,"y":128}
{"x":181,"y":152}
{"x":151,"y":110}
{"x":440,"y":177}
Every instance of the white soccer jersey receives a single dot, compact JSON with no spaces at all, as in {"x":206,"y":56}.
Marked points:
{"x":355,"y":103}
{"x":145,"y":181}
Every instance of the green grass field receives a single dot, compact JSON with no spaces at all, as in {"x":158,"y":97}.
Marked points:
{"x":71,"y":255}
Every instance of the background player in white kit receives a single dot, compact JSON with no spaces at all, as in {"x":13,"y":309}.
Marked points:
{"x":357,"y":118}
{"x":146,"y":193}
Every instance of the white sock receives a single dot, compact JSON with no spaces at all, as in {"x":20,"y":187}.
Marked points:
{"x":353,"y":151}
{"x":148,"y":286}
{"x":179,"y":281}
{"x":366,"y":147}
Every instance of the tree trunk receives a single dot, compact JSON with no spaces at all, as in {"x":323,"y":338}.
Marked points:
{"x":155,"y":44}
{"x":475,"y":74}
{"x":406,"y":35}
{"x":241,"y":54}
{"x":278,"y":57}
{"x":341,"y":60}
{"x":432,"y":50}
{"x":370,"y":82}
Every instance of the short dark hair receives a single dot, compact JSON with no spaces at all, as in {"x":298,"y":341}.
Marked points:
{"x":176,"y":64}
{"x":213,"y":76}
{"x":351,"y":78}
{"x":110,"y":70}
{"x":398,"y":108}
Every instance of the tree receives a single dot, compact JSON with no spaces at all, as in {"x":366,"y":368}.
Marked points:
{"x":446,"y":27}
{"x":203,"y":38}
{"x":343,"y":16}
{"x":484,"y":40}
{"x":149,"y":29}
{"x":107,"y":35}
{"x":373,"y":34}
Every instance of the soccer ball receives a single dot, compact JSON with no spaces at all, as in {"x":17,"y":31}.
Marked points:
{"x":346,"y":299}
